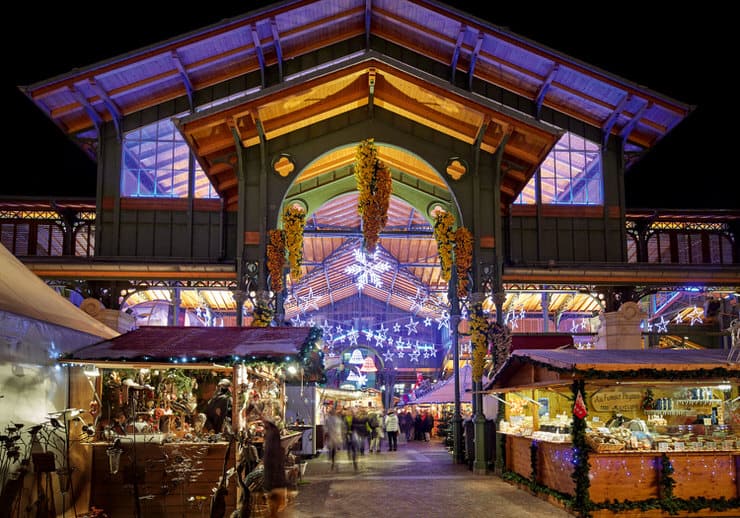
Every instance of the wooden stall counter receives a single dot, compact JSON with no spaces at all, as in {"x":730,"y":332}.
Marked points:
{"x":629,"y":475}
{"x":172,"y":479}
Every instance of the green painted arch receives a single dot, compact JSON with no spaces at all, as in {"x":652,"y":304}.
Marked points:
{"x":420,"y":194}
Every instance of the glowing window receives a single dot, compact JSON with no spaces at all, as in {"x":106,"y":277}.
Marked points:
{"x":571,"y":174}
{"x":156,"y":164}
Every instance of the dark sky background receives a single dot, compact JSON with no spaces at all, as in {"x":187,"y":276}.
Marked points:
{"x":672,"y":52}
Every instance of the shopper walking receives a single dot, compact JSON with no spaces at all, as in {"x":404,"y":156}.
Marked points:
{"x":334,"y":435}
{"x":391,"y":429}
{"x":375,"y":423}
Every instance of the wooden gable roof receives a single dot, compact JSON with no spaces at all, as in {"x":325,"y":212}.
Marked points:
{"x":80,"y":101}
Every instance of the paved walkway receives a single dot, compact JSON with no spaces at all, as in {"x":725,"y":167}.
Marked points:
{"x":420,"y":480}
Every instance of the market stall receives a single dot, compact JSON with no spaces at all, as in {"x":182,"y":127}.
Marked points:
{"x":173,"y":408}
{"x":623,"y":432}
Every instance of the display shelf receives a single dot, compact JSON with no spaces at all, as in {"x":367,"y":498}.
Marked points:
{"x":668,"y":412}
{"x":699,"y":402}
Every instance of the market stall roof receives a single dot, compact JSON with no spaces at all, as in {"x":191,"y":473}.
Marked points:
{"x":23,"y":293}
{"x":199,"y":345}
{"x":531,"y":368}
{"x":444,"y":391}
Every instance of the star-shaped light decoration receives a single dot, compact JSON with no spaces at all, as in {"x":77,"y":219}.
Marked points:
{"x":396,"y":327}
{"x":388,"y":356}
{"x":428,"y":322}
{"x":662,"y":326}
{"x":411,"y":326}
{"x":695,"y":316}
{"x":296,"y":320}
{"x":368,"y":334}
{"x":414,"y":356}
{"x":327,"y":328}
{"x":306,"y":302}
{"x":677,"y":319}
{"x":443,"y":320}
{"x":368,"y":269}
{"x":352,"y":335}
{"x":417,"y":303}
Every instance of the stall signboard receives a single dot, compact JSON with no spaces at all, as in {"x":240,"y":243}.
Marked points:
{"x":616,"y":400}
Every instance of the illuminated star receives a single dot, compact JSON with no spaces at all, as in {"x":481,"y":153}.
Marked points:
{"x":396,"y":327}
{"x":414,"y":356}
{"x":417,"y":303}
{"x":352,"y":336}
{"x":427,"y":322}
{"x":662,"y":326}
{"x":382,"y":332}
{"x":411,"y":326}
{"x":695,"y":316}
{"x":308,"y":301}
{"x":443,"y":320}
{"x":388,"y":356}
{"x":368,"y":334}
{"x":296,"y":320}
{"x":327,"y":329}
{"x":678,"y":318}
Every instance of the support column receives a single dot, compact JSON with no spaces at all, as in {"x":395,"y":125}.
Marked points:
{"x":499,"y":297}
{"x":457,"y":442}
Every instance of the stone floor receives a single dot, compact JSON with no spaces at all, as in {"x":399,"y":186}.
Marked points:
{"x":419,"y":480}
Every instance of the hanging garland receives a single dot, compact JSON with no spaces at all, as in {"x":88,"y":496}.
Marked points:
{"x":580,"y":475}
{"x":500,"y":338}
{"x":375,"y":184}
{"x":294,"y":220}
{"x":463,"y":259}
{"x":276,"y":259}
{"x":262,"y":315}
{"x":479,"y":330}
{"x":445,"y":237}
{"x":312,"y":357}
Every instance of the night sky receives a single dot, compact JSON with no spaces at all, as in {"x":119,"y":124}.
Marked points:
{"x":670,"y":52}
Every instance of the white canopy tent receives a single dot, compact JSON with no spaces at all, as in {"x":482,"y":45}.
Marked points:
{"x":37,"y":325}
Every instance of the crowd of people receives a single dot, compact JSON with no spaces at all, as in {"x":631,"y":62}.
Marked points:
{"x":354,"y":428}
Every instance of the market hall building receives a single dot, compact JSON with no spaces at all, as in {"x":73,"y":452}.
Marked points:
{"x":205,"y":141}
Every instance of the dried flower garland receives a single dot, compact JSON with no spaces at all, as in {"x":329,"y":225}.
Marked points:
{"x":445,"y":237}
{"x":479,"y":331}
{"x":262,"y":314}
{"x":375,"y":184}
{"x":294,"y":220}
{"x":463,"y":259}
{"x":276,"y":259}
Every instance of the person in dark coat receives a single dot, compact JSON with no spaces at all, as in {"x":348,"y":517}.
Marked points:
{"x":218,"y":410}
{"x":418,"y":427}
{"x":273,"y":461}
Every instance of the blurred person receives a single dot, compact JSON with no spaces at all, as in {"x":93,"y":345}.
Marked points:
{"x":391,"y":426}
{"x":375,"y":424}
{"x":273,"y":461}
{"x":427,"y":425}
{"x":360,"y":428}
{"x":334,"y":435}
{"x":351,"y":438}
{"x":406,"y":423}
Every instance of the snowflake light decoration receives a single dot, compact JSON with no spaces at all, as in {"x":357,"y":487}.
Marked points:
{"x":368,"y":269}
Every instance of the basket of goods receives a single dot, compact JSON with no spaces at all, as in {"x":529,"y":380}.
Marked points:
{"x":601,"y":443}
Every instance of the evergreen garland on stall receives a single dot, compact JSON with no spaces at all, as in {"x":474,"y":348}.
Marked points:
{"x":580,"y":475}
